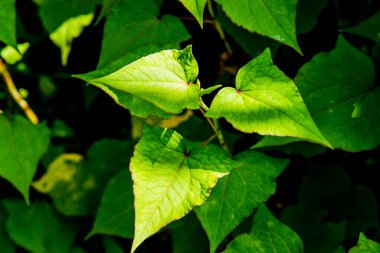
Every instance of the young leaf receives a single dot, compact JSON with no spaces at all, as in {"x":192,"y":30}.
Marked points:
{"x":265,"y":101}
{"x":238,"y":194}
{"x":55,"y":13}
{"x":271,"y":18}
{"x":134,"y":24}
{"x":196,"y":8}
{"x":365,"y":245}
{"x":76,"y":184}
{"x":18,"y":159}
{"x":8,"y":22}
{"x":170,"y":177}
{"x":38,"y":228}
{"x":267,"y":235}
{"x":369,"y":28}
{"x":338,"y":89}
{"x":166,"y":79}
{"x":70,"y":29}
{"x":115,"y":215}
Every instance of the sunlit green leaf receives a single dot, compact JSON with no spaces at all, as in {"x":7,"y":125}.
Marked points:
{"x":8,"y":22}
{"x":115,"y":215}
{"x":271,"y":18}
{"x":238,"y":194}
{"x":196,"y":8}
{"x":170,"y":177}
{"x":268,"y":235}
{"x":54,"y":13}
{"x":166,"y":79}
{"x":369,"y":28}
{"x":134,"y":24}
{"x":11,"y":55}
{"x":70,"y":29}
{"x":265,"y":101}
{"x":76,"y":184}
{"x":252,"y":43}
{"x":38,"y":228}
{"x":18,"y":159}
{"x":365,"y":245}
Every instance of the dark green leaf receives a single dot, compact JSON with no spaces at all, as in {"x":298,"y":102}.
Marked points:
{"x":134,"y":24}
{"x":308,"y":223}
{"x":238,"y":194}
{"x":110,"y":246}
{"x":38,"y":228}
{"x":338,"y":89}
{"x":76,"y":184}
{"x":307,"y":14}
{"x":115,"y":215}
{"x":8,"y":22}
{"x":6,"y":244}
{"x":22,"y":146}
{"x":184,"y":229}
{"x":272,"y":18}
{"x":268,"y":235}
{"x":369,"y":28}
{"x":170,"y":177}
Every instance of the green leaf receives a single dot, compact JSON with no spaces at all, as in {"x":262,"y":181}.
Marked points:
{"x":11,"y":55}
{"x":170,"y":177}
{"x":252,"y":43}
{"x":268,"y":235}
{"x":338,"y":89}
{"x":166,"y":79}
{"x":308,"y":12}
{"x":75,"y":184}
{"x":110,"y":246}
{"x":271,"y":18}
{"x":238,"y":194}
{"x":115,"y":215}
{"x":209,"y":90}
{"x":18,"y":161}
{"x":308,"y":223}
{"x":369,"y":28}
{"x":185,"y":228}
{"x":37,"y":228}
{"x":8,"y":22}
{"x":134,"y":24}
{"x":196,"y":8}
{"x":54,"y":13}
{"x":365,"y":245}
{"x":107,"y":8}
{"x":7,"y":245}
{"x":70,"y":29}
{"x":265,"y":101}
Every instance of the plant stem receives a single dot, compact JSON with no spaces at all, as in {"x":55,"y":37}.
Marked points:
{"x":215,"y":125}
{"x":218,"y":27}
{"x":12,"y":89}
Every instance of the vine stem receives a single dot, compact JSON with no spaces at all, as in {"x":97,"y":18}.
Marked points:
{"x":12,"y":89}
{"x":215,"y":126}
{"x":218,"y":27}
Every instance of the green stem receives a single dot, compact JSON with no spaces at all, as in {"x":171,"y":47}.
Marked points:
{"x":219,"y":28}
{"x":215,"y":125}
